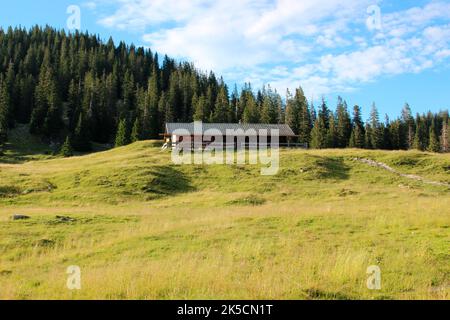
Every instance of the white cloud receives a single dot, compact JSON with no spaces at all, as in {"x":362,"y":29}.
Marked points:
{"x":321,"y":44}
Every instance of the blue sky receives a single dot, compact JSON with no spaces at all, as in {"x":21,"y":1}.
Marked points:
{"x":386,"y":51}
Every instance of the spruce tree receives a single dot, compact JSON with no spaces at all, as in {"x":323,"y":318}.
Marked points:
{"x":395,"y":135}
{"x":444,"y":138}
{"x":151,"y":114}
{"x":433,"y":145}
{"x":122,"y":134}
{"x":11,"y":87}
{"x":269,"y":111}
{"x":304,"y":117}
{"x":344,"y":125}
{"x":324,"y":113}
{"x":199,"y":107}
{"x":73,"y":104}
{"x":376,"y":131}
{"x":408,"y":127}
{"x":319,"y":138}
{"x":4,"y":113}
{"x":221,"y":112}
{"x":421,"y":135}
{"x":291,"y":117}
{"x":53,"y":119}
{"x":358,"y":133}
{"x":368,"y":137}
{"x":251,"y":112}
{"x":66,"y":149}
{"x":332,"y":133}
{"x":136,"y":131}
{"x":81,"y":139}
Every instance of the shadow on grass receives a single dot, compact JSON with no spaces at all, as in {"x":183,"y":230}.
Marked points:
{"x":329,"y":168}
{"x":166,"y":180}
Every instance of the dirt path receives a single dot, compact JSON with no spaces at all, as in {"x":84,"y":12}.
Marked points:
{"x":408,"y":176}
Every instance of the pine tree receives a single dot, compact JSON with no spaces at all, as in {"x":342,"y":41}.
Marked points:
{"x":421,"y":135}
{"x":128,"y":91}
{"x":319,"y":138}
{"x":251,"y":114}
{"x":444,"y":138}
{"x":73,"y":104}
{"x":304,"y":117}
{"x":332,"y":133}
{"x":66,"y":149}
{"x":221,"y":112}
{"x":199,"y":107}
{"x":81,"y":140}
{"x":408,"y":128}
{"x":368,"y":137}
{"x":4,"y":113}
{"x":358,"y":133}
{"x":53,"y":119}
{"x":376,"y":131}
{"x":324,"y":113}
{"x":41,"y":102}
{"x":151,"y":114}
{"x":122,"y":134}
{"x":344,"y":125}
{"x":433,"y":145}
{"x":291,"y":117}
{"x":136,"y":131}
{"x":268,"y":111}
{"x":9,"y":80}
{"x":395,"y":135}
{"x":320,"y":135}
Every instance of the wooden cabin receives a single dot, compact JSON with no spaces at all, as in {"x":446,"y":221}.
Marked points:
{"x":247,"y":134}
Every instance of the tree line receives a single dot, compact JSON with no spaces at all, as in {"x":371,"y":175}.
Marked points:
{"x":77,"y":89}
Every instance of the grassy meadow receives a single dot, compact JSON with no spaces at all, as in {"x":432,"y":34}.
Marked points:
{"x":147,"y":229}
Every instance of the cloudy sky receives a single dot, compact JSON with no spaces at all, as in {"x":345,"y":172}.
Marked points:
{"x":390,"y":52}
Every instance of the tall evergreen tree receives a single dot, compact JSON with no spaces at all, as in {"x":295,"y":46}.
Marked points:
{"x":291,"y":117}
{"x":10,"y":83}
{"x":251,"y":112}
{"x":319,"y":138}
{"x":222,"y":111}
{"x":358,"y":133}
{"x":433,"y":145}
{"x":304,"y":117}
{"x":81,"y":140}
{"x":421,"y":134}
{"x":151,"y":114}
{"x":66,"y":149}
{"x":4,"y":112}
{"x":269,"y":111}
{"x":199,"y":107}
{"x":444,"y":138}
{"x":376,"y":131}
{"x":408,"y":127}
{"x":332,"y":133}
{"x":136,"y":133}
{"x":344,"y":125}
{"x":368,"y":137}
{"x":122,"y":136}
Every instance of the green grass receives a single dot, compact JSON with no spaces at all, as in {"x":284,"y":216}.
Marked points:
{"x":147,"y":229}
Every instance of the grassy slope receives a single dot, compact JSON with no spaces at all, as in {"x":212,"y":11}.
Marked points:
{"x":147,"y":229}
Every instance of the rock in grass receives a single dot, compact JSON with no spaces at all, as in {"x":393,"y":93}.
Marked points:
{"x":45,"y":243}
{"x":5,"y":272}
{"x":20,"y":217}
{"x":65,"y":219}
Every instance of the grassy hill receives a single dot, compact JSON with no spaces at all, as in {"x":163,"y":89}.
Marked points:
{"x":144,"y":228}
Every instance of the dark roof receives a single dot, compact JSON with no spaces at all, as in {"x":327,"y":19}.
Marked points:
{"x":284,"y":129}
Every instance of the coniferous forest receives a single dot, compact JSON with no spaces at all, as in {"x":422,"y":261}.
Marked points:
{"x":75,"y":89}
